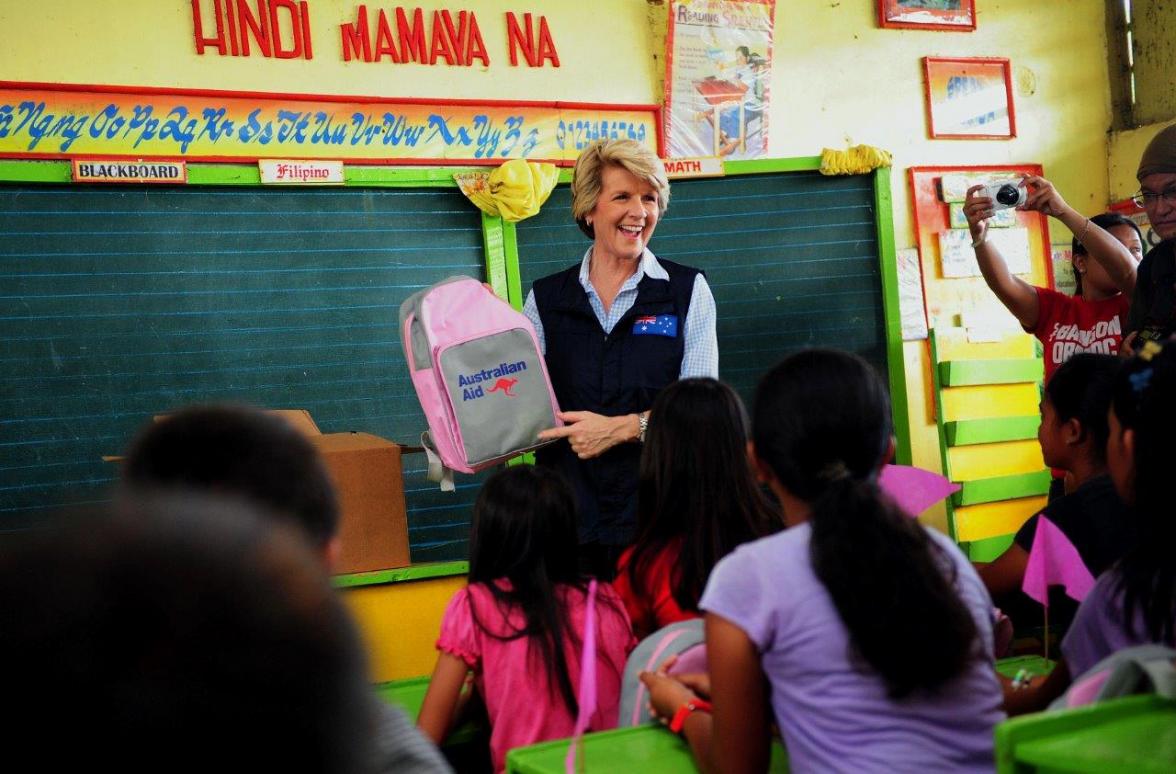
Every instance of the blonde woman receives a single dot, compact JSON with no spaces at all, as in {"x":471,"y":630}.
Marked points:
{"x":616,"y":328}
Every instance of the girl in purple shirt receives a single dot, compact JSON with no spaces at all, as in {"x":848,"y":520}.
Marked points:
{"x":869,"y":635}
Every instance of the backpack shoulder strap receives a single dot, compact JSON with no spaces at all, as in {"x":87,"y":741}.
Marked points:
{"x":587,"y":697}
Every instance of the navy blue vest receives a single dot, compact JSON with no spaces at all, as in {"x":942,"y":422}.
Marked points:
{"x":617,"y":374}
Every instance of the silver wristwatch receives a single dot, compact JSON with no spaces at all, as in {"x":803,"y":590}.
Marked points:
{"x":642,"y":425}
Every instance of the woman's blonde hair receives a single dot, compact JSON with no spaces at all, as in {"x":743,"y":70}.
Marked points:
{"x":627,"y":154}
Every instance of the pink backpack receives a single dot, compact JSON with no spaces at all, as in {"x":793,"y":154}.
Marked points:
{"x":479,"y":375}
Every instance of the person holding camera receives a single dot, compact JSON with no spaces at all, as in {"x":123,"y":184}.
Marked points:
{"x":1107,"y":249}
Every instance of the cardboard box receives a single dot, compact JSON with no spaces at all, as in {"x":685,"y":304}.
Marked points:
{"x":368,"y":477}
{"x":300,"y":420}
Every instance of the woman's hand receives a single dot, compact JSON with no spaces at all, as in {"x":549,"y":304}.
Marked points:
{"x":1043,"y":197}
{"x":977,"y":209}
{"x":666,"y":694}
{"x":591,"y":435}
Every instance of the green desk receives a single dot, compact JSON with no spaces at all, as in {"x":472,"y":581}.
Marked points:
{"x":647,"y":749}
{"x":409,"y":695}
{"x":1135,"y":735}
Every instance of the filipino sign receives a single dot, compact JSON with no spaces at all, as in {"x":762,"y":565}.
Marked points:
{"x":123,"y":171}
{"x":211,"y":126}
{"x":717,"y":79}
{"x":283,"y":172}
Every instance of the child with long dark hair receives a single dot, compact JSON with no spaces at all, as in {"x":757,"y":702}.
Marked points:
{"x":519,"y":624}
{"x":1073,"y":437}
{"x":1134,"y":603}
{"x":697,"y":499}
{"x":869,"y":634}
{"x":1141,"y":592}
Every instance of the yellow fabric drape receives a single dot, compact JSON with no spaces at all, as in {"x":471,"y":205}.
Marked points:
{"x":857,"y":160}
{"x":515,"y":190}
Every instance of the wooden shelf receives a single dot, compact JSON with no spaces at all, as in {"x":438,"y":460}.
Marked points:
{"x":990,"y":490}
{"x":963,"y":373}
{"x":967,"y":432}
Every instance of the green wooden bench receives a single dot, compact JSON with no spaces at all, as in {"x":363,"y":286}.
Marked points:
{"x":1133,"y":735}
{"x":649,"y":749}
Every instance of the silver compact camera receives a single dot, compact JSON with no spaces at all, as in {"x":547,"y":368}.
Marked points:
{"x":1006,"y":194}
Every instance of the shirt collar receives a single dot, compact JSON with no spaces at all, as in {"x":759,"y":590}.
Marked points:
{"x":648,"y":266}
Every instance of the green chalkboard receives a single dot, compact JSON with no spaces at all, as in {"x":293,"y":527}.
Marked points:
{"x":120,"y":303}
{"x":792,"y":259}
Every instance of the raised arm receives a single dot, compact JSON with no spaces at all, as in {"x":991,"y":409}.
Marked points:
{"x":1017,"y":295}
{"x":1111,"y":254}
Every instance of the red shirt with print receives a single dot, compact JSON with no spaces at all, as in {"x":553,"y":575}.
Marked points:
{"x":1070,"y":324}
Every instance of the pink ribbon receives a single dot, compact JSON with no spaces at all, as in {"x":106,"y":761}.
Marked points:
{"x":587,"y":697}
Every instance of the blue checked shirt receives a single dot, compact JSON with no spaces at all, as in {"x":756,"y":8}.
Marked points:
{"x":701,"y":356}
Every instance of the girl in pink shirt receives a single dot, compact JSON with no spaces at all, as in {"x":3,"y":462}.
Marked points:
{"x":519,"y":625}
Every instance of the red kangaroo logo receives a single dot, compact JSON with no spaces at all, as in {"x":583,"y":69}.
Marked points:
{"x":504,"y":386}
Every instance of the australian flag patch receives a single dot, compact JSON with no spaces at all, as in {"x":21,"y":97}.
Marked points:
{"x":656,"y":325}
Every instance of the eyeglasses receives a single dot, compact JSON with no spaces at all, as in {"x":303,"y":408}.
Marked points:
{"x":1144,"y":198}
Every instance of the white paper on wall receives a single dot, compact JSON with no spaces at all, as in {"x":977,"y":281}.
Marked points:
{"x":910,"y":296}
{"x":958,"y":257}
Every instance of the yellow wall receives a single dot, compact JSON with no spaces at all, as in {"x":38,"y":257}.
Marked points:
{"x":1125,"y":150}
{"x":399,"y":623}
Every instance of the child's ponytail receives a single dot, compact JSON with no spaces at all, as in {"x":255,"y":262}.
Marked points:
{"x":822,"y":424}
{"x":890,"y":586}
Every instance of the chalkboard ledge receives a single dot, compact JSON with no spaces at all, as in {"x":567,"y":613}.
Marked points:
{"x":414,"y":572}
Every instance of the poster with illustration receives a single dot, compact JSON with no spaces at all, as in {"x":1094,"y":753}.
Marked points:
{"x":717,"y":78}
